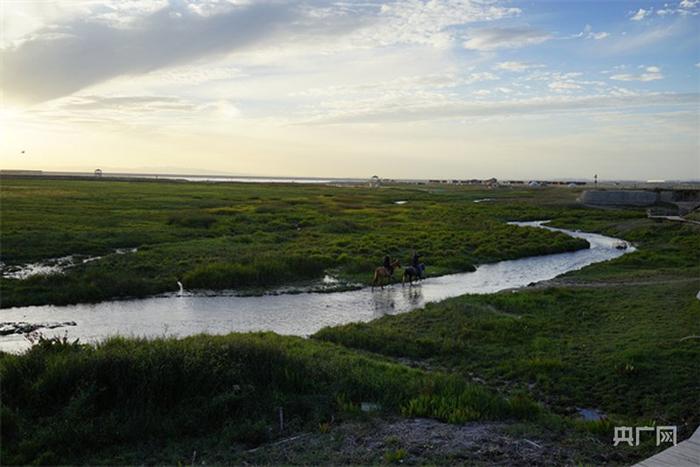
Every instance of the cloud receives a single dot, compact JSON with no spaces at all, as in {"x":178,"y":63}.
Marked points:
{"x":649,"y":37}
{"x":588,"y":33}
{"x":120,"y":103}
{"x":651,"y":73}
{"x":498,"y":38}
{"x":366,"y":113}
{"x":563,"y":85}
{"x":435,"y":23}
{"x":45,"y":67}
{"x":685,"y":8}
{"x":516,"y":66}
{"x":101,"y":41}
{"x":407,"y":87}
{"x":133,"y":110}
{"x":640,"y":14}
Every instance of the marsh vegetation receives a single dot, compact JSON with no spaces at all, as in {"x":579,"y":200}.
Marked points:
{"x":234,"y":236}
{"x":608,"y":337}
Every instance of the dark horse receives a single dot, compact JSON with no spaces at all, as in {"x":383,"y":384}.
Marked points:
{"x":413,"y":273}
{"x":382,"y":275}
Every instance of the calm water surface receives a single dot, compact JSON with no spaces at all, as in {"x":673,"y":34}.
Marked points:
{"x":301,"y":314}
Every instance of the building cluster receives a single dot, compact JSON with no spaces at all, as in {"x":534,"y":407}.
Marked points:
{"x":492,"y":182}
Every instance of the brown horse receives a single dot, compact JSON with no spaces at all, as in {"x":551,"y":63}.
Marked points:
{"x":382,"y":275}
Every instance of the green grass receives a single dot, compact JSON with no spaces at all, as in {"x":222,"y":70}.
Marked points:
{"x":217,"y":236}
{"x":616,"y":350}
{"x":611,"y":339}
{"x":614,"y":344}
{"x":69,"y":403}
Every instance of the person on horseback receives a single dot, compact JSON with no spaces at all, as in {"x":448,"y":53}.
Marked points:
{"x":415,"y":262}
{"x":383,"y":274}
{"x":387,"y":265}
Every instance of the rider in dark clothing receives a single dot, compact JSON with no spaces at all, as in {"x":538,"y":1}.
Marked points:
{"x":387,"y":264}
{"x":415,"y":262}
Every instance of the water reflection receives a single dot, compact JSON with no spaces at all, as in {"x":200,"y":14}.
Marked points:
{"x":384,"y":301}
{"x":413,"y":295}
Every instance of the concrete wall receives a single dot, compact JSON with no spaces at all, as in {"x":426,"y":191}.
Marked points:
{"x":620,"y":198}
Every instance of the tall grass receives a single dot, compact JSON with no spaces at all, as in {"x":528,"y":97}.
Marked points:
{"x":260,"y":271}
{"x":64,"y":402}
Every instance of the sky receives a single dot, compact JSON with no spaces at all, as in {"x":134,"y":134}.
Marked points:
{"x":408,"y":89}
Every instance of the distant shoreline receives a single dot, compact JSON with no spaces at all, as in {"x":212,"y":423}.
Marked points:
{"x":116,"y":176}
{"x":150,"y":177}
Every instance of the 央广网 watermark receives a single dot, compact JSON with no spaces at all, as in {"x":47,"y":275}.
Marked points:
{"x":631,"y":435}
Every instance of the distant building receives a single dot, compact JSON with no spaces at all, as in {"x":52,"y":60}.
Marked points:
{"x":375,"y":182}
{"x":98,"y":172}
{"x":491,"y":183}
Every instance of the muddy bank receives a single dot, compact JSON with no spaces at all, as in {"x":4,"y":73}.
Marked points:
{"x":52,"y":265}
{"x":21,"y":327}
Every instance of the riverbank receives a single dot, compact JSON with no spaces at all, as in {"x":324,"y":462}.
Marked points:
{"x":237,"y":236}
{"x":301,"y":314}
{"x":612,"y":337}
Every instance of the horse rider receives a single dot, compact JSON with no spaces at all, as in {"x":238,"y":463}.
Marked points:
{"x":387,"y":265}
{"x":415,"y":262}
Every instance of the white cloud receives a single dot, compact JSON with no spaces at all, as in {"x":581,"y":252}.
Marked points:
{"x":648,"y":37}
{"x":651,"y":73}
{"x":405,"y":87}
{"x":374,"y":112}
{"x":515,"y":66}
{"x":588,"y":33}
{"x":433,"y":23}
{"x":498,"y":38}
{"x":684,"y":8}
{"x":640,"y":14}
{"x":563,"y":85}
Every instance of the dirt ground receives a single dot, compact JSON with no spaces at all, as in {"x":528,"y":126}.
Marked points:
{"x":412,"y":441}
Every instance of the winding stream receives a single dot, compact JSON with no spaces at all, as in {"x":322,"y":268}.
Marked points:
{"x":297,"y":314}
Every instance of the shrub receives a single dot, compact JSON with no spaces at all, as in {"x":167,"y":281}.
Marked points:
{"x":194,"y":220}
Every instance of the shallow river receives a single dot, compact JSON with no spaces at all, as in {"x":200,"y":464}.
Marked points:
{"x":297,"y":314}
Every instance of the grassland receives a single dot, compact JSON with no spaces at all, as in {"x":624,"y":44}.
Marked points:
{"x":64,"y":402}
{"x":236,"y":236}
{"x":612,"y":336}
{"x":608,"y":337}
